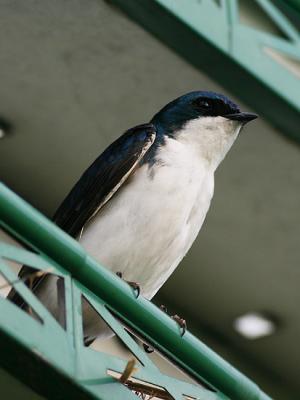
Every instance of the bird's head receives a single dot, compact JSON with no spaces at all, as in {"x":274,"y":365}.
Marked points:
{"x":208,"y":121}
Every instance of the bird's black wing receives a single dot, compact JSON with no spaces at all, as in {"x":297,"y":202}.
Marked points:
{"x":97,"y":185}
{"x":103,"y":178}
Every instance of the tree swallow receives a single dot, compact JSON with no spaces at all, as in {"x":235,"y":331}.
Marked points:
{"x":139,"y":207}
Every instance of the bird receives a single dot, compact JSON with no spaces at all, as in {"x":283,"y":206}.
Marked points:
{"x":140,"y":205}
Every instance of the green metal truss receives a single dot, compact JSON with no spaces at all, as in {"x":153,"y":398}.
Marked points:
{"x":261,"y":68}
{"x":50,"y":356}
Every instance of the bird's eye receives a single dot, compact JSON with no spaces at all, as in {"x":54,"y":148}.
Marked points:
{"x":203,"y":104}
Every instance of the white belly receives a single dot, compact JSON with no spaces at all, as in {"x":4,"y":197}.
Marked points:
{"x":149,"y":225}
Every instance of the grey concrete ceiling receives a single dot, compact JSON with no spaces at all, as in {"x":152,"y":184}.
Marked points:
{"x":75,"y":75}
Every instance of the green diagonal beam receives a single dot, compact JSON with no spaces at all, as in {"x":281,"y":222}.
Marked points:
{"x":140,"y":314}
{"x":212,"y":39}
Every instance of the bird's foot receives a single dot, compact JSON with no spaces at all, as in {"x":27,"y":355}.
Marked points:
{"x":134,"y":285}
{"x":181,"y":322}
{"x":163,"y":308}
{"x":148,"y":349}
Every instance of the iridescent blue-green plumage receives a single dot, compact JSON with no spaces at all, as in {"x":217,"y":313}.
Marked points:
{"x":190,"y":106}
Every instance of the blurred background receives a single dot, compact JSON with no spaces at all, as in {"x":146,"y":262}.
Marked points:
{"x":76,"y":74}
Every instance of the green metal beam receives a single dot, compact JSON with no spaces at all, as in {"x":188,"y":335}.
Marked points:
{"x":140,"y":314}
{"x":251,"y":63}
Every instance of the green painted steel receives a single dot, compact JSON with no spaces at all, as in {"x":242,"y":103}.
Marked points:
{"x":63,"y":352}
{"x":261,"y":68}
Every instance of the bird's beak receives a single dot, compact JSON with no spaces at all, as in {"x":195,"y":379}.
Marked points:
{"x":243,"y":117}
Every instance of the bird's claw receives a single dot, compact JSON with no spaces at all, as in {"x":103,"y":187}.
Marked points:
{"x":134,"y":285}
{"x":163,"y":308}
{"x":148,"y":349}
{"x":181,"y":322}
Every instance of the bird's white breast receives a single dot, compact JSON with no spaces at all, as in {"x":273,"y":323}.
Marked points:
{"x":150,"y":223}
{"x":148,"y":226}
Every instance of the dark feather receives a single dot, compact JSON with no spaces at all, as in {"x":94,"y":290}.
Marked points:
{"x":103,"y":178}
